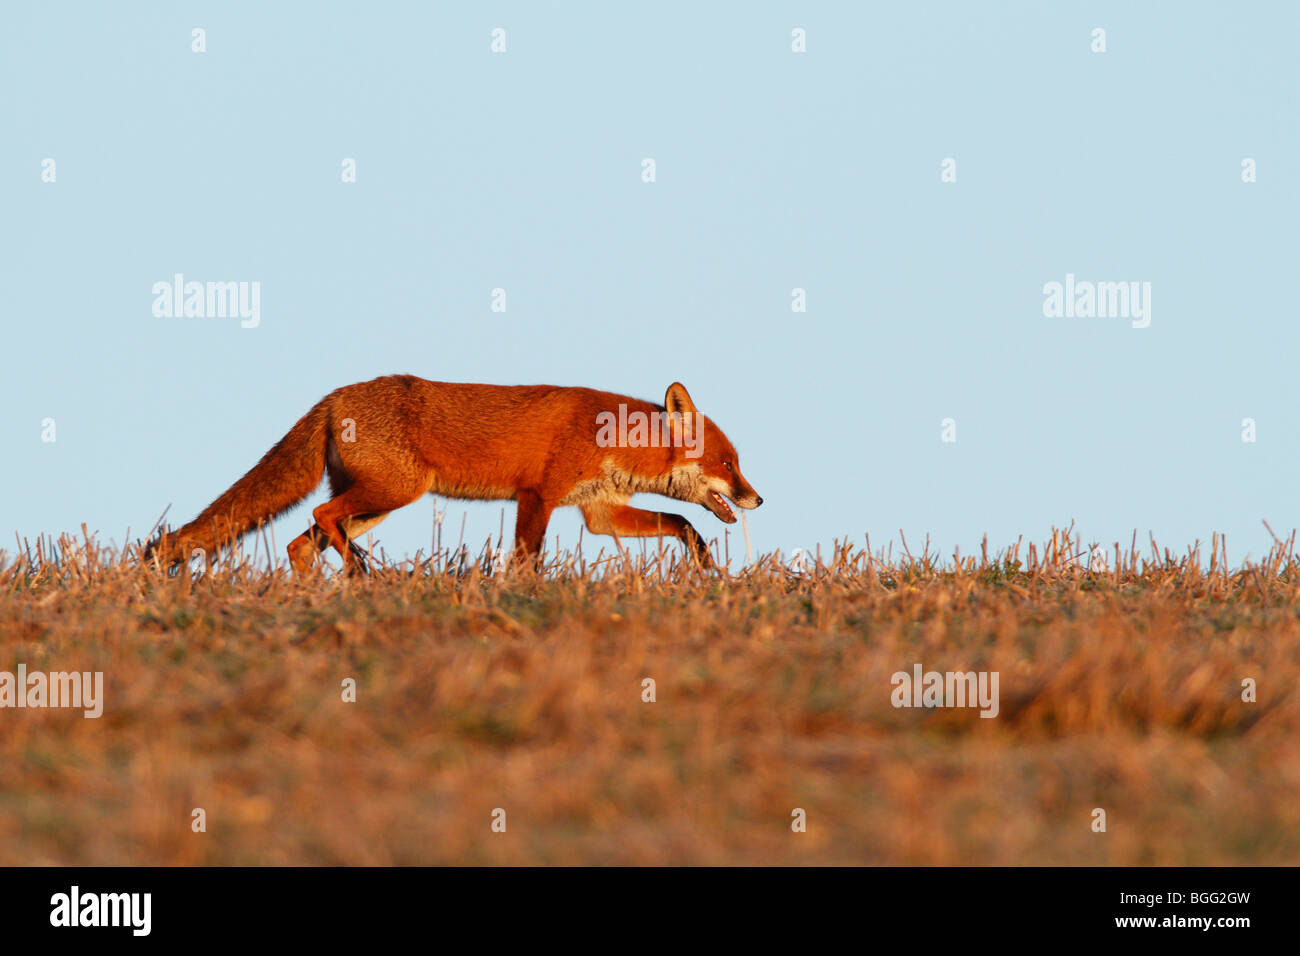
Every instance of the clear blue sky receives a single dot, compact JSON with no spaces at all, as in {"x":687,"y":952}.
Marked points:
{"x":775,"y":170}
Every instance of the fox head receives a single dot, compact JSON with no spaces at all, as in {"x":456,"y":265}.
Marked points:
{"x":710,"y":462}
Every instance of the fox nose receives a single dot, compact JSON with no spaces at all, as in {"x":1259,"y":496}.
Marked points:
{"x":760,"y":500}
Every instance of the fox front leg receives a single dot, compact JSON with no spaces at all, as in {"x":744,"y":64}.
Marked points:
{"x":624,"y":521}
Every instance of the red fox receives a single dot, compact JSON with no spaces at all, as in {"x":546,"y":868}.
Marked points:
{"x":386,"y":442}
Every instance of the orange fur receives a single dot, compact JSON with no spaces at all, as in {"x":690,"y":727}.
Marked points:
{"x":386,"y":442}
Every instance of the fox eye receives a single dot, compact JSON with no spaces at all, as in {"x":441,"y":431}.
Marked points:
{"x":727,"y":464}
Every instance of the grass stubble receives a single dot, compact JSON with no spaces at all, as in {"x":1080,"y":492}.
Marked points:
{"x":1120,"y":689}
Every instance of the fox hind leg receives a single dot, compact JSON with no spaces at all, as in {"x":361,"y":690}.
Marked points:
{"x":304,"y":549}
{"x":364,"y":500}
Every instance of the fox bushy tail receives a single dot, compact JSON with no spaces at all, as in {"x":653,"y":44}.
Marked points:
{"x":287,"y":474}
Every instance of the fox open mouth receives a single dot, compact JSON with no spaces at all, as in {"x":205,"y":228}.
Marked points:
{"x":718,"y":505}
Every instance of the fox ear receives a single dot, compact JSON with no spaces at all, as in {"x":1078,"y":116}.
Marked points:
{"x":678,"y":399}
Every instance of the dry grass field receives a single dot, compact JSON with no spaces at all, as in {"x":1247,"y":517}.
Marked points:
{"x":1120,"y":688}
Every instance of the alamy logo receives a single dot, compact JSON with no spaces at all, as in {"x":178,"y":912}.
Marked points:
{"x":208,"y":300}
{"x":1100,"y":300}
{"x":83,"y":689}
{"x":103,"y":909}
{"x":948,"y":689}
{"x":650,"y":430}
